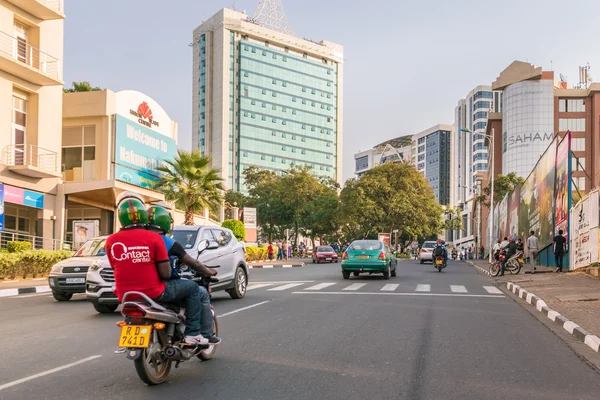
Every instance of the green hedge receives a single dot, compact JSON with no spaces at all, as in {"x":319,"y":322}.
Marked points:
{"x":17,"y":247}
{"x":237,"y":227}
{"x":31,"y":263}
{"x":259,"y":253}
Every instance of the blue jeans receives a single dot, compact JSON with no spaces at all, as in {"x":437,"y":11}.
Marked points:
{"x":196,"y":301}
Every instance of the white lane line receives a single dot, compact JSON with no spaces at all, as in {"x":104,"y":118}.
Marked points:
{"x":492,"y":289}
{"x":252,"y":287}
{"x":267,"y":266}
{"x":285,"y":287}
{"x":354,"y":286}
{"x":243,"y":309}
{"x":24,"y":296}
{"x":390,"y":287}
{"x":423,"y":288}
{"x":410,"y":294}
{"x":279,"y":282}
{"x":9,"y":292}
{"x":50,"y":371}
{"x":320,"y":286}
{"x":458,"y":289}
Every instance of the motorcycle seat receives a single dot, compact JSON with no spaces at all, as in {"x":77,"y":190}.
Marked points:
{"x":175,"y":309}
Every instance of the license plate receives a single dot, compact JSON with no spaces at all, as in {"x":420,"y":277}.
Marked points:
{"x":328,"y":259}
{"x":363,"y":257}
{"x":75,"y":280}
{"x":439,"y":262}
{"x":521,"y":260}
{"x":136,"y":336}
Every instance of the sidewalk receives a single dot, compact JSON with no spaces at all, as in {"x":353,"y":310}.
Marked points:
{"x":573,"y":295}
{"x":22,"y":286}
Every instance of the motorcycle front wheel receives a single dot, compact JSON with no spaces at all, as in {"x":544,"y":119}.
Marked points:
{"x":207,"y":354}
{"x":495,"y":269}
{"x":151,"y":366}
{"x":515,"y":267}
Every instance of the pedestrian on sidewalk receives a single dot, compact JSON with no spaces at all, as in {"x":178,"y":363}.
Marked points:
{"x":284,"y":252}
{"x":533,"y":248}
{"x":560,"y":244}
{"x":481,"y":252}
{"x":271,"y":251}
{"x":279,"y":250}
{"x":496,"y":250}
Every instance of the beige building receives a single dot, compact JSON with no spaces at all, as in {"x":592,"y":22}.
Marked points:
{"x":31,"y":83}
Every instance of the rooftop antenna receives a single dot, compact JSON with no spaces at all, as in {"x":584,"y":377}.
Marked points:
{"x":563,"y":78}
{"x":270,"y":15}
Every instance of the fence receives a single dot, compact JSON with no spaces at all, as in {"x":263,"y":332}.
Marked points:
{"x":37,"y":242}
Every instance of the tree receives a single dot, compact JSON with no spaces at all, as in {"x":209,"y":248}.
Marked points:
{"x":237,"y":227}
{"x":189,"y":181}
{"x":83,"y":86}
{"x":387,"y":197}
{"x":240,"y":199}
{"x":503,"y":185}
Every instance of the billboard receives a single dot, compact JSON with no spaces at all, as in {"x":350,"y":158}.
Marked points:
{"x":250,"y":217}
{"x":562,"y":187}
{"x":1,"y":207}
{"x":84,"y":231}
{"x":23,"y":197}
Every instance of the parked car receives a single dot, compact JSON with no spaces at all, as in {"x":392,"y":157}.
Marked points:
{"x":324,"y":254}
{"x":426,"y":253}
{"x":229,"y":256}
{"x":368,"y":256}
{"x":67,"y":277}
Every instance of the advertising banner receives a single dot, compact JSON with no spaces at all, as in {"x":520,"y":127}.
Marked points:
{"x":529,"y":219}
{"x":23,"y":197}
{"x":1,"y":207}
{"x":562,"y":190}
{"x":133,"y":177}
{"x":513,"y":213}
{"x":585,"y":248}
{"x":250,"y":218}
{"x":84,"y":231}
{"x":140,"y":148}
{"x":545,"y":179}
{"x":385,"y":237}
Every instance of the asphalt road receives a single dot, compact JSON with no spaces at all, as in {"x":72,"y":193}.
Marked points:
{"x":446,"y":335}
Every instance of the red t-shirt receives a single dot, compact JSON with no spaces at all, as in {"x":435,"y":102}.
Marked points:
{"x":134,"y":254}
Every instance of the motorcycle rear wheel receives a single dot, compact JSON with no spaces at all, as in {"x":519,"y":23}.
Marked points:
{"x":495,"y":269}
{"x":207,"y":354}
{"x":147,"y":368}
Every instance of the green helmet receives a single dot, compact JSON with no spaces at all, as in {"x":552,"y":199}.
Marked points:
{"x":131,"y":209}
{"x":160,"y":218}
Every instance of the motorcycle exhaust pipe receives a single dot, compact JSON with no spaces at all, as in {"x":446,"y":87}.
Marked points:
{"x":173,"y":353}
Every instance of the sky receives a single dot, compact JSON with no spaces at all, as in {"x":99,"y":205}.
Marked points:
{"x":407,"y":63}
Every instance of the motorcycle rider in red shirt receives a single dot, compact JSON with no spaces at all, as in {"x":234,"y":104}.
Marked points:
{"x":141,"y":263}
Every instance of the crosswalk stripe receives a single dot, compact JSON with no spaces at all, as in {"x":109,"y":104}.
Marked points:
{"x":258,"y":286}
{"x":458,"y":289}
{"x":285,"y":287}
{"x":354,"y":286}
{"x":423,"y":288}
{"x":390,"y":287}
{"x":492,"y":289}
{"x":320,"y":286}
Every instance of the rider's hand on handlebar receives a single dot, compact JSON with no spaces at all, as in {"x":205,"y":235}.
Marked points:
{"x":211,"y":272}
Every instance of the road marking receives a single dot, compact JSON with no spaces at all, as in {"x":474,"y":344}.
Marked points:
{"x":423,"y":288}
{"x":492,"y":289}
{"x":491,"y":296}
{"x":267,"y":266}
{"x":287,"y":266}
{"x":31,"y":295}
{"x":50,"y":371}
{"x":458,"y":289}
{"x":285,"y":287}
{"x":280,"y":282}
{"x":354,"y":286}
{"x":390,"y":287}
{"x":252,"y":287}
{"x":9,"y":292}
{"x":320,"y":286}
{"x":243,"y":309}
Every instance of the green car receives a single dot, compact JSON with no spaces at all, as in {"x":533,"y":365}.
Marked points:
{"x":368,"y":256}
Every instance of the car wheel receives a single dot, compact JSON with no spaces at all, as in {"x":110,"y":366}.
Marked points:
{"x":240,"y":282}
{"x":386,"y":273}
{"x":421,"y":262}
{"x":356,"y":273}
{"x":106,"y":308}
{"x":393,"y":272}
{"x":61,"y":296}
{"x":346,"y":274}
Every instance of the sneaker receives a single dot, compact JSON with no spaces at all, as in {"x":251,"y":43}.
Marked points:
{"x":195,"y":340}
{"x":558,"y":270}
{"x":214,"y":340}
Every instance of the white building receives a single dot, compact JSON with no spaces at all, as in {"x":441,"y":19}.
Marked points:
{"x":471,"y":153}
{"x":393,"y":150}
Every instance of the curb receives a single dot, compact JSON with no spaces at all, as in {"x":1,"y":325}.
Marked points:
{"x":18,"y":291}
{"x":592,"y":341}
{"x":479,"y":269}
{"x":277,"y":266}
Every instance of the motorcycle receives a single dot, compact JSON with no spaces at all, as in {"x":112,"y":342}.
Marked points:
{"x":454,"y":255}
{"x":153,"y":334}
{"x":513,"y":265}
{"x":440,"y":263}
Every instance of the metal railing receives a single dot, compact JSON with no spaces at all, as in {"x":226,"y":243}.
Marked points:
{"x":29,"y":154}
{"x":18,"y":49}
{"x":37,"y":242}
{"x":56,"y":5}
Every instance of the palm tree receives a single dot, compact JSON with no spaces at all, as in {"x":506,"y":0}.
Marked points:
{"x":83,"y":86}
{"x":191,"y":184}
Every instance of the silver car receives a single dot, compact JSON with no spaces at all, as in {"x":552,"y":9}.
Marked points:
{"x":227,"y":253}
{"x":426,"y":252}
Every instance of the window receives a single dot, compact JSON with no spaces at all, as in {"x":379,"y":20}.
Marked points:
{"x":284,"y":122}
{"x":480,"y":115}
{"x":303,"y":151}
{"x":223,"y":238}
{"x":253,"y":102}
{"x":328,"y":95}
{"x":483,"y":95}
{"x":303,"y":126}
{"x":312,"y":128}
{"x":283,"y":148}
{"x":264,"y":53}
{"x":421,"y":149}
{"x":479,"y":125}
{"x":293,"y":99}
{"x":571,"y":124}
{"x":284,"y":84}
{"x":313,"y":91}
{"x":571,"y":105}
{"x":246,"y":74}
{"x":304,"y":89}
{"x":312,"y":103}
{"x":273,"y":133}
{"x":274,"y":81}
{"x":273,"y":159}
{"x":264,"y":105}
{"x":578,"y":163}
{"x":264,"y":91}
{"x":245,"y":154}
{"x":482,"y":104}
{"x":362,"y":163}
{"x":293,"y":149}
{"x":264,"y":118}
{"x":421,"y":140}
{"x":294,"y":112}
{"x":253,"y":50}
{"x":578,"y":144}
{"x":274,"y":94}
{"x":303,"y":101}
{"x":79,"y":153}
{"x":262,"y":157}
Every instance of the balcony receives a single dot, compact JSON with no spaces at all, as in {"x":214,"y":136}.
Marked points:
{"x":42,"y":9}
{"x":27,"y":62}
{"x":32,"y":161}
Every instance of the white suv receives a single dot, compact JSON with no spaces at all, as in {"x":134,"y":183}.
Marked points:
{"x":229,"y":256}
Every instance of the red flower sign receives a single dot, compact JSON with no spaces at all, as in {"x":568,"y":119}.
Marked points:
{"x":145,"y":111}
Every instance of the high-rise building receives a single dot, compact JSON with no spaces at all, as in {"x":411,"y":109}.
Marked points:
{"x":471,"y":113}
{"x":265,"y":98}
{"x":432,"y":157}
{"x":394,"y":150}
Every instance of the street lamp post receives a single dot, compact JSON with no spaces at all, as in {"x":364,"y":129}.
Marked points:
{"x":491,"y":183}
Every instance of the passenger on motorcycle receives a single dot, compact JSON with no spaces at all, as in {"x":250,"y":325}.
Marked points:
{"x":440,"y":249}
{"x":140,"y":262}
{"x":510,"y":250}
{"x":161,"y":222}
